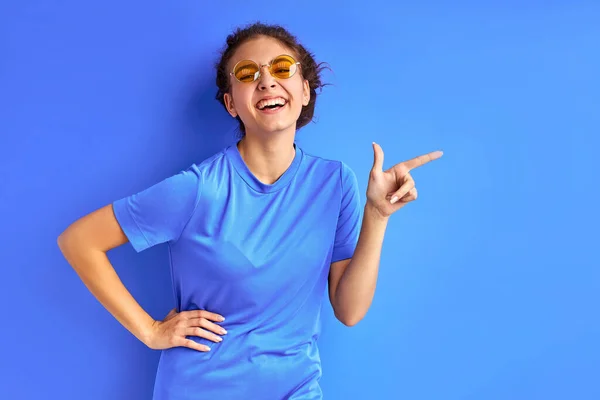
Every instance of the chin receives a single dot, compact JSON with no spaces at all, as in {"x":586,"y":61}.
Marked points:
{"x":271,"y":125}
{"x":276,"y":129}
{"x":276,"y":126}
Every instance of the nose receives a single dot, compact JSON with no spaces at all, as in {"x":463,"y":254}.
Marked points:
{"x":266,"y":79}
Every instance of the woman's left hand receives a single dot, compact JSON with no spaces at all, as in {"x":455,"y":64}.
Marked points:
{"x":388,"y":191}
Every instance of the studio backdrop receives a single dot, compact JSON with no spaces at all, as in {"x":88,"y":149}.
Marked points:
{"x":489,"y":282}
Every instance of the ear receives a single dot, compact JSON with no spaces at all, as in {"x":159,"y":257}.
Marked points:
{"x":306,"y":93}
{"x":229,"y":104}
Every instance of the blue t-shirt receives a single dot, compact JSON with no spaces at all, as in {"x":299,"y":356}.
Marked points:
{"x":255,"y":253}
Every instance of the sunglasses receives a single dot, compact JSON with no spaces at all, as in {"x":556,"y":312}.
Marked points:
{"x":281,"y":67}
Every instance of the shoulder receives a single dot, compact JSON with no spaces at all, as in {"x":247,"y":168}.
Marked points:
{"x":210,"y":163}
{"x":346,"y":175}
{"x":208,"y":167}
{"x":326,"y":163}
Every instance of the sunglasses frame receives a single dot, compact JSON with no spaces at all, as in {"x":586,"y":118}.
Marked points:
{"x":258,"y":73}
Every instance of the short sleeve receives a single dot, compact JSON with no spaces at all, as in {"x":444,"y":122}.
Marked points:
{"x":159,"y":213}
{"x":349,"y":219}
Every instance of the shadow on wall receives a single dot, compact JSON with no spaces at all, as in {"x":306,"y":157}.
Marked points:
{"x":194,"y":126}
{"x":203,"y":120}
{"x":198,"y":127}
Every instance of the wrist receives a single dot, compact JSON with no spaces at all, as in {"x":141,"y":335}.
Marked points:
{"x":147,"y":331}
{"x":373,"y":213}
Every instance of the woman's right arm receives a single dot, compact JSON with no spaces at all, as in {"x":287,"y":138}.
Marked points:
{"x":85,"y":243}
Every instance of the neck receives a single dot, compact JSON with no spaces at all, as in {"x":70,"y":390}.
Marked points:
{"x":267,"y":159}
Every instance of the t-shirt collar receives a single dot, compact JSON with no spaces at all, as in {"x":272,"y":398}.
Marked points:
{"x":233,"y":154}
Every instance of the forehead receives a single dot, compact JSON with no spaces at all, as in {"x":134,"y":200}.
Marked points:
{"x":261,"y":50}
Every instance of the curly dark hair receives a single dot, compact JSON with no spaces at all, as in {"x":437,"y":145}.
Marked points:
{"x":310,"y":70}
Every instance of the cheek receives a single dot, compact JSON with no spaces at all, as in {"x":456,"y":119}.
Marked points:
{"x":243,"y":101}
{"x":297,"y":93}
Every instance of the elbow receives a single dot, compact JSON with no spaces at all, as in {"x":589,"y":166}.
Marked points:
{"x":63,"y":240}
{"x":347,"y":314}
{"x":63,"y":243}
{"x":349,"y":320}
{"x":67,"y":242}
{"x":60,"y":241}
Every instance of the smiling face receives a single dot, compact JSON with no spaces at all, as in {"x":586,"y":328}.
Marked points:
{"x":256,"y":103}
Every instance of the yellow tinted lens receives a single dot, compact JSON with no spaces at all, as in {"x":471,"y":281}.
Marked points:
{"x":283,"y":67}
{"x":246,"y":71}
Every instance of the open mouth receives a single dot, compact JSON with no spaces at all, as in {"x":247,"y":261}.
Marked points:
{"x":271,"y":105}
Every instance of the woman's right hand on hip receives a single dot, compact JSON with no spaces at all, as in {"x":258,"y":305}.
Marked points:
{"x":174,"y":329}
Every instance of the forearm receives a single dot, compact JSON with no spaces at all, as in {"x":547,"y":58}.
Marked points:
{"x":100,"y":277}
{"x":356,"y":288}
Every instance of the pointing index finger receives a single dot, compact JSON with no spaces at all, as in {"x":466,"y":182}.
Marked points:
{"x":423,"y":159}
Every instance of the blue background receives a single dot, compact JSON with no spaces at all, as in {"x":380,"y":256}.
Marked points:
{"x":489,"y":283}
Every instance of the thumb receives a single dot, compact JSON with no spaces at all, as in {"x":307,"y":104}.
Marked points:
{"x":377,"y":157}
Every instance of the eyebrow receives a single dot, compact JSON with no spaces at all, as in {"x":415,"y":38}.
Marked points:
{"x":269,"y":62}
{"x":252,"y":59}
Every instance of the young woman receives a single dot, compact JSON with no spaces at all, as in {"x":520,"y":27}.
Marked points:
{"x":256,"y":235}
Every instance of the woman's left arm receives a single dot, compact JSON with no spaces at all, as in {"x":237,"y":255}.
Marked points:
{"x":352,"y":281}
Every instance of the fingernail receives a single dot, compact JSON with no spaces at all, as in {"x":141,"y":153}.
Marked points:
{"x":223,"y":331}
{"x":207,"y":348}
{"x":219,"y":339}
{"x":222,"y":319}
{"x":394,"y":199}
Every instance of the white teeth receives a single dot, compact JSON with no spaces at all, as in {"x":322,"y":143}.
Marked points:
{"x":270,"y":102}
